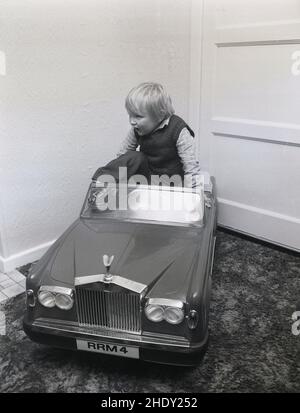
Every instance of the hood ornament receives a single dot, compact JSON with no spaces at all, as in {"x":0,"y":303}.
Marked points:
{"x":107,"y":261}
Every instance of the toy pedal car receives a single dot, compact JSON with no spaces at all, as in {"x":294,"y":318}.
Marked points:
{"x":131,"y":281}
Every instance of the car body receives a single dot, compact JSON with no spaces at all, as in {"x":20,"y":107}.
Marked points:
{"x":132,"y":282}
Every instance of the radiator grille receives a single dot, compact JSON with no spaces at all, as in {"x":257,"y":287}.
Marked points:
{"x":114,"y":310}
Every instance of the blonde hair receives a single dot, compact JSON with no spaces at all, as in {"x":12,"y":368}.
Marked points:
{"x":150,"y":98}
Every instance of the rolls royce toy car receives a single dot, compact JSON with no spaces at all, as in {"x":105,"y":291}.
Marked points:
{"x":129,"y":281}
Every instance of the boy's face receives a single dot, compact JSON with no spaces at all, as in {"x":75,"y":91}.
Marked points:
{"x":143,"y":123}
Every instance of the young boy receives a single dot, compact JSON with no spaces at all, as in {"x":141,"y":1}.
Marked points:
{"x":166,"y":142}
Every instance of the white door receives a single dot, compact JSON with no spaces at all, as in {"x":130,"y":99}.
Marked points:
{"x":249,"y":125}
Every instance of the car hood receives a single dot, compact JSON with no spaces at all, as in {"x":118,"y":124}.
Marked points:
{"x":158,"y":256}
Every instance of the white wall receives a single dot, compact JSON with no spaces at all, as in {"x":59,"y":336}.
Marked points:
{"x":69,"y":66}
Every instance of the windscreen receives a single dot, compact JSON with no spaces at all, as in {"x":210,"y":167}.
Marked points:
{"x":174,"y":205}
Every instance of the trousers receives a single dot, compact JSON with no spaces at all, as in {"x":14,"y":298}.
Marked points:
{"x":135,"y":162}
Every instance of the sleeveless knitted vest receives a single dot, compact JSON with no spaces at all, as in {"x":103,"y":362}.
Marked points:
{"x":160,"y":148}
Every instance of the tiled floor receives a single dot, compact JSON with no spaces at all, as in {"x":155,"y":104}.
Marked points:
{"x":11,"y":284}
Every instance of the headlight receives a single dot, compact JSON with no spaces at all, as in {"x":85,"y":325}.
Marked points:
{"x":64,"y":301}
{"x":173,"y":315}
{"x":158,"y":309}
{"x":154,"y":313}
{"x":47,"y":299}
{"x":50,"y":296}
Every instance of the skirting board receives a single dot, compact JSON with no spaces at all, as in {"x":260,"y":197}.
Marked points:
{"x":24,"y":257}
{"x":263,"y":224}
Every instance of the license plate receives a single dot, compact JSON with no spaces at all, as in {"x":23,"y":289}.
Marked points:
{"x":108,"y":348}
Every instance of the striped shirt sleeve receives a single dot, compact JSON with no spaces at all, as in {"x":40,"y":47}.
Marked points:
{"x":129,"y":143}
{"x":186,"y":151}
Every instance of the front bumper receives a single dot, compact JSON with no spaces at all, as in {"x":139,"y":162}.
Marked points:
{"x":153,"y":348}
